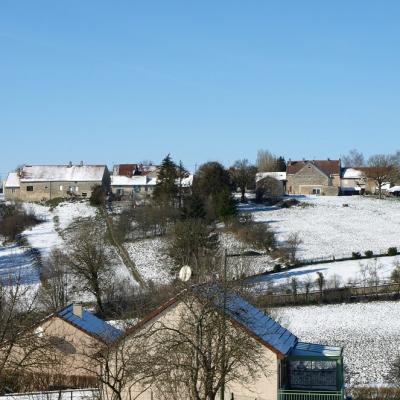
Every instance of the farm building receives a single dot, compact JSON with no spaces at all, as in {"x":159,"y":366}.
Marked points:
{"x":46,"y":182}
{"x":321,"y":177}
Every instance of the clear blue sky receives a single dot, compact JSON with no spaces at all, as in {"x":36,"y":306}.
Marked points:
{"x":119,"y":81}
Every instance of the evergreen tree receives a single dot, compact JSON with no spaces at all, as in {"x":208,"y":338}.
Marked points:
{"x":281,"y":164}
{"x":166,"y":190}
{"x":212,"y":184}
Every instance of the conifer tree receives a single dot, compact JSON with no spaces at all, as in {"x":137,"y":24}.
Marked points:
{"x":166,"y":190}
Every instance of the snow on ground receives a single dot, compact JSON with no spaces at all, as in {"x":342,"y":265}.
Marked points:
{"x":342,"y":272}
{"x":328,"y":228}
{"x":17,"y":264}
{"x":151,"y":259}
{"x":68,"y":212}
{"x":369,"y":333}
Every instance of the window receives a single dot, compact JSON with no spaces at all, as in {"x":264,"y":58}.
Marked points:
{"x":61,"y":188}
{"x":136,"y":189}
{"x":316,"y":191}
{"x":84,"y":194}
{"x":29,"y":188}
{"x":76,"y":188}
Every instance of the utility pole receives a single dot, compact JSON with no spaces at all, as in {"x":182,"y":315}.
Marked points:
{"x":222,"y":395}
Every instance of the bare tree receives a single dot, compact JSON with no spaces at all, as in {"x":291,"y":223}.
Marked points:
{"x":380,"y":170}
{"x":292,"y":246}
{"x":354,"y":159}
{"x":25,"y":355}
{"x":90,"y":261}
{"x":321,"y":283}
{"x":201,"y":353}
{"x":266,"y":161}
{"x":243,"y":176}
{"x":54,"y":290}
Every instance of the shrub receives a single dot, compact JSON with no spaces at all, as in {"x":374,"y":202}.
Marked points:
{"x":369,"y":253}
{"x":14,"y":220}
{"x":256,"y":235}
{"x":98,"y":196}
{"x":277,"y":268}
{"x":53,"y":203}
{"x":355,"y":255}
{"x":392,"y":251}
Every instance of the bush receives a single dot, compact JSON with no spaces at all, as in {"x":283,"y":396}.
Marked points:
{"x":14,"y":220}
{"x":369,"y":253}
{"x":256,"y":235}
{"x":53,"y":203}
{"x":392,"y":251}
{"x":98,"y":196}
{"x":355,"y":255}
{"x":277,"y":268}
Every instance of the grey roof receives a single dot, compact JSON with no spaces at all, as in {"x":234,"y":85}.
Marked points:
{"x":91,"y":324}
{"x":319,"y":351}
{"x":62,"y":173}
{"x":253,"y":319}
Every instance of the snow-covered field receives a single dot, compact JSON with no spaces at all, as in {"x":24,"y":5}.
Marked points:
{"x":369,"y":333}
{"x":354,"y":272}
{"x":17,"y":264}
{"x":328,"y":228}
{"x":151,"y":259}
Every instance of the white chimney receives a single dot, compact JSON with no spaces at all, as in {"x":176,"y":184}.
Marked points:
{"x":77,"y":310}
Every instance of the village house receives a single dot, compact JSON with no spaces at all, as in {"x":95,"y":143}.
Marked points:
{"x":319,"y":177}
{"x":296,"y":370}
{"x":47,"y":182}
{"x":72,"y":336}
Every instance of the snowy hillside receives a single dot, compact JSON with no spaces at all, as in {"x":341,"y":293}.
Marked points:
{"x":369,"y":333}
{"x":327,"y":227}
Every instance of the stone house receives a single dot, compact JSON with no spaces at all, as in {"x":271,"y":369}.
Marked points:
{"x":46,"y":182}
{"x":319,"y":177}
{"x":296,"y":370}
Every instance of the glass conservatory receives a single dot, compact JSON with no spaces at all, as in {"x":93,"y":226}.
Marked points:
{"x":312,"y":372}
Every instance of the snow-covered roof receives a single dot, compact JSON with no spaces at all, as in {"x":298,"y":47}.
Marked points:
{"x":352,"y":173}
{"x":394,"y":189}
{"x":62,"y":173}
{"x":136,"y":180}
{"x":12,"y":180}
{"x":187,"y":182}
{"x":280,"y":176}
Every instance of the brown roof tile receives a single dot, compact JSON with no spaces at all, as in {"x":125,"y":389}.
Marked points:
{"x":329,"y":167}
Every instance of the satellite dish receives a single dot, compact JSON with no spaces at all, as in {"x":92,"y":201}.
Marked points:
{"x":185,"y":273}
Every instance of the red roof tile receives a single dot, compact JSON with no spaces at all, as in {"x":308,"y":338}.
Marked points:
{"x":329,"y":167}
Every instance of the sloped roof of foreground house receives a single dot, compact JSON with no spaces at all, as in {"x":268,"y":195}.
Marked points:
{"x":88,"y":323}
{"x":255,"y":322}
{"x":62,"y":173}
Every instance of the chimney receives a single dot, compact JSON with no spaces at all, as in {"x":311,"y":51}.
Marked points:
{"x":81,"y":163}
{"x":77,"y":310}
{"x":70,"y":164}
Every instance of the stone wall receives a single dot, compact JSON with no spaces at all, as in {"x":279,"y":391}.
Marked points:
{"x":310,"y":178}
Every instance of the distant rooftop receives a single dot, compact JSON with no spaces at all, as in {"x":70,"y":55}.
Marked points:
{"x":90,"y":324}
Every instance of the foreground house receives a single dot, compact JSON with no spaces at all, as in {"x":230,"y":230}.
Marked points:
{"x":47,"y":182}
{"x":320,"y":177}
{"x":296,"y":370}
{"x":68,"y":340}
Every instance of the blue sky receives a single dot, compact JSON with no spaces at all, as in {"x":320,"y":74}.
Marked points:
{"x":119,"y":81}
